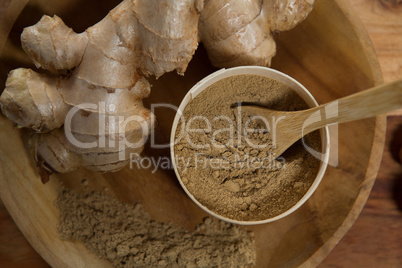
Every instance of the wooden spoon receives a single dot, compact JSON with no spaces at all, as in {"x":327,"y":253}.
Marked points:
{"x":288,"y":127}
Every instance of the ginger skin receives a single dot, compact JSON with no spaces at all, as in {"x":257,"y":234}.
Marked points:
{"x":89,"y":112}
{"x":240,"y":32}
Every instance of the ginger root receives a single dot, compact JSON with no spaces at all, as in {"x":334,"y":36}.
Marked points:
{"x":87,"y":111}
{"x":240,"y":32}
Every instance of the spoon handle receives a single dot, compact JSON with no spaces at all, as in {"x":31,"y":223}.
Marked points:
{"x":364,"y":104}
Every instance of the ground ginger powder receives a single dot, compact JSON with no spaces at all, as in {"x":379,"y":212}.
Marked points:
{"x":234,"y":174}
{"x":128,"y":237}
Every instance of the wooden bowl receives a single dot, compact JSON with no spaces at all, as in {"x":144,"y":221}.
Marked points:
{"x":330,"y":54}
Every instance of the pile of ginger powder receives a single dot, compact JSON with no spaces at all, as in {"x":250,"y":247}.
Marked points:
{"x":231,"y":171}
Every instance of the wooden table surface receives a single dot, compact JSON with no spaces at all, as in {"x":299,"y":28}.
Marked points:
{"x":375,"y":240}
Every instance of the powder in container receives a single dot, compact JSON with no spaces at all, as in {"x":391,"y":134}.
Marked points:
{"x":231,"y":172}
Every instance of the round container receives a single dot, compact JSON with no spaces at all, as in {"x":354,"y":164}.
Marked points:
{"x":273,"y":74}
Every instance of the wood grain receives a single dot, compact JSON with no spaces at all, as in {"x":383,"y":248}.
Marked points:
{"x":361,"y":245}
{"x":384,"y":25}
{"x":375,"y":238}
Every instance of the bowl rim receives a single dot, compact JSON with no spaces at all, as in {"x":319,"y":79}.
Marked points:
{"x":273,"y":74}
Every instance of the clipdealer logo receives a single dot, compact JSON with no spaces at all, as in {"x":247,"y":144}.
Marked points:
{"x":234,"y":129}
